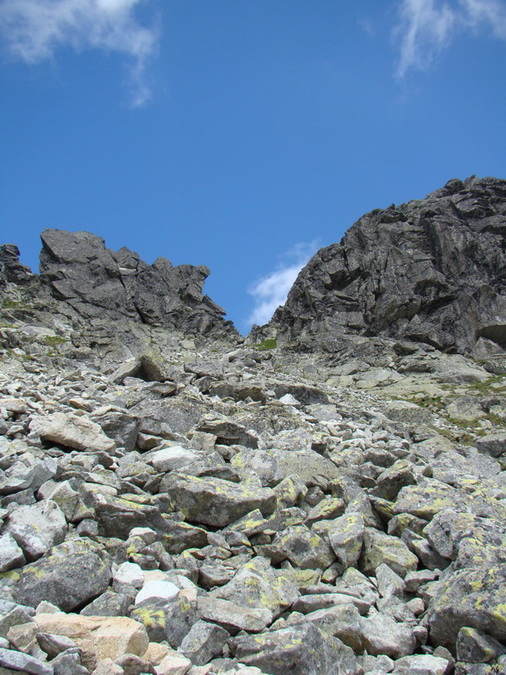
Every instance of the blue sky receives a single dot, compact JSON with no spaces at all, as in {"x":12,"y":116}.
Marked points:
{"x":240,"y":134}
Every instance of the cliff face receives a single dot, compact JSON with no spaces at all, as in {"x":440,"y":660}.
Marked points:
{"x":78,"y":269}
{"x":432,"y":271}
{"x":113,"y":300}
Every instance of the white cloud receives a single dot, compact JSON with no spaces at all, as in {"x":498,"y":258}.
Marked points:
{"x":270,"y":291}
{"x":427,"y":27}
{"x":33,"y":30}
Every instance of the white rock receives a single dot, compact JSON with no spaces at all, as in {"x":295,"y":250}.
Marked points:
{"x":38,"y":527}
{"x":157,"y":589}
{"x":10,"y":553}
{"x":173,"y":664}
{"x":173,"y":457}
{"x":288,"y":399}
{"x":145,"y":533}
{"x":130,"y":573}
{"x":422,"y":664}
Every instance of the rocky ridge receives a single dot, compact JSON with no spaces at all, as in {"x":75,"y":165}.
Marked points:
{"x":431,"y":270}
{"x":185,"y":502}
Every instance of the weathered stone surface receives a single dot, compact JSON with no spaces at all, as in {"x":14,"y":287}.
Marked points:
{"x":11,"y":555}
{"x":383,"y":635}
{"x":73,"y":431}
{"x":213,"y":501}
{"x":167,"y":619}
{"x":73,"y":573}
{"x":341,"y":621}
{"x":421,"y":664}
{"x":381,"y":548}
{"x":346,"y":536}
{"x":369,"y":284}
{"x":298,"y":650}
{"x":170,"y":458}
{"x":37,"y":528}
{"x":474,"y":597}
{"x":474,"y":646}
{"x":303,"y":548}
{"x":275,"y":464}
{"x":97,"y":637}
{"x":17,"y":661}
{"x":232,"y":616}
{"x":78,"y":269}
{"x":258,"y":585}
{"x":492,"y":444}
{"x":203,"y":642}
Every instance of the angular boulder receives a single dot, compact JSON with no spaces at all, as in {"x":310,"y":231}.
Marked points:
{"x":213,"y":501}
{"x":72,"y":574}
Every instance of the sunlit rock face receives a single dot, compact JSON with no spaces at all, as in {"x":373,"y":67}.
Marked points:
{"x":432,"y":270}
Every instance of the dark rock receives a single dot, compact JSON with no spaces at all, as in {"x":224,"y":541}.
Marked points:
{"x":71,"y":575}
{"x":432,"y":270}
{"x":10,"y":267}
{"x":298,"y":650}
{"x":77,"y":268}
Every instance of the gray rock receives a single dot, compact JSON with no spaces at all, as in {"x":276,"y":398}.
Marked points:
{"x":492,"y":444}
{"x":11,"y":554}
{"x":203,"y":642}
{"x":233,"y":617}
{"x":170,"y":458}
{"x":77,"y":269}
{"x":474,"y":646}
{"x":109,"y":603}
{"x":70,"y":575}
{"x":383,"y":635}
{"x":297,"y":650}
{"x":273,"y":465}
{"x":167,"y":619}
{"x":346,"y":536}
{"x":68,"y":663}
{"x":213,"y":501}
{"x":258,"y":585}
{"x":393,"y":275}
{"x":381,"y":548}
{"x":24,"y":662}
{"x":421,"y":664}
{"x":341,"y":621}
{"x":303,"y":548}
{"x":37,"y":528}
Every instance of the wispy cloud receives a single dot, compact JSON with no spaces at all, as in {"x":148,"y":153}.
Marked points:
{"x":270,"y":291}
{"x":427,"y":27}
{"x":34,"y":30}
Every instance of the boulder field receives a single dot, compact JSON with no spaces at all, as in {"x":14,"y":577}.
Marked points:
{"x":319,"y":498}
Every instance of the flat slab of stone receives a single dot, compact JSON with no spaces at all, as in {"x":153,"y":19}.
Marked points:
{"x":232,"y":616}
{"x":213,"y":501}
{"x":297,"y":650}
{"x":74,"y":431}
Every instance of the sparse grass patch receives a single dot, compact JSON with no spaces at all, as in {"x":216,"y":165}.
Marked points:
{"x":268,"y":343}
{"x":53,"y":340}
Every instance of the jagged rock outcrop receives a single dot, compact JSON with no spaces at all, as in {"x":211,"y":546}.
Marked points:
{"x":104,"y":291}
{"x":78,"y":269}
{"x":431,"y":271}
